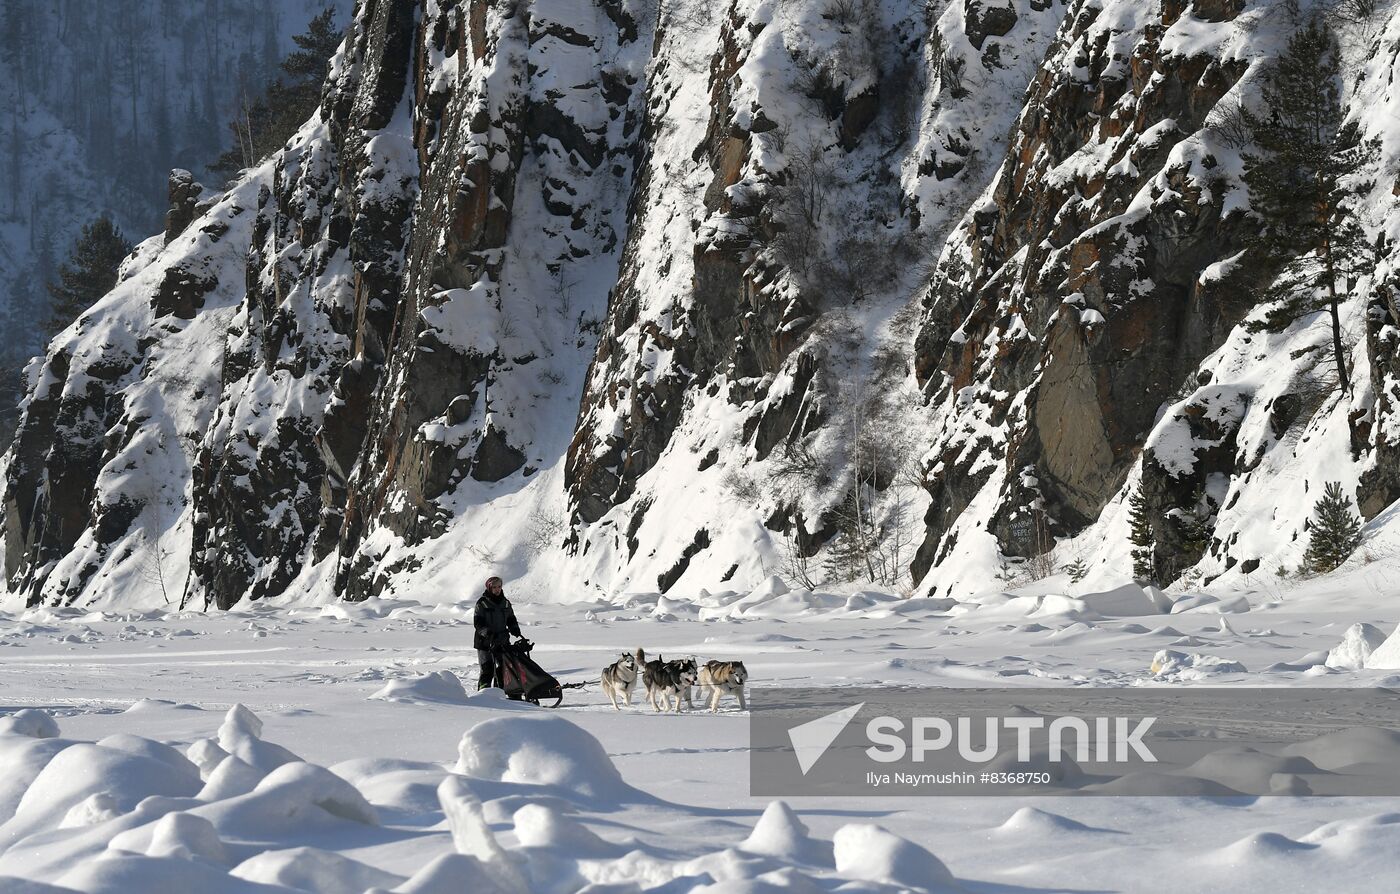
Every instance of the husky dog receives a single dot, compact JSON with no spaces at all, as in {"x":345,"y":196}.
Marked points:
{"x":717,"y":678}
{"x":619,"y":678}
{"x":667,"y":680}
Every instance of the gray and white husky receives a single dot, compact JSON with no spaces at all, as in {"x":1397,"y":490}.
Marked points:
{"x":667,"y":680}
{"x":718,"y":678}
{"x":619,"y":678}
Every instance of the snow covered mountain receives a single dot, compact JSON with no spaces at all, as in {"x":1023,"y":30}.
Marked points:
{"x":637,"y":295}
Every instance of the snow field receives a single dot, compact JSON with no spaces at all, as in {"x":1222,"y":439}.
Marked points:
{"x":338,"y":749}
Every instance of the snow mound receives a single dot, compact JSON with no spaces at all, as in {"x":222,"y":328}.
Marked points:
{"x":1205,"y":603}
{"x":870,"y":853}
{"x":232,"y":777}
{"x":1386,"y":656}
{"x":453,"y":874}
{"x":466,"y":818}
{"x":1357,"y":746}
{"x":1127,"y":601}
{"x":292,"y":786}
{"x":29,"y":722}
{"x":1348,"y":828}
{"x":1247,"y":770}
{"x":1168,"y":663}
{"x":438,"y":686}
{"x":1257,"y":848}
{"x":547,"y":751}
{"x":241,"y":736}
{"x":779,"y":833}
{"x":154,"y":750}
{"x":90,"y":811}
{"x":23,"y":758}
{"x":1030,"y":821}
{"x":312,"y":869}
{"x":540,"y":825}
{"x":121,"y":873}
{"x":181,"y":835}
{"x":206,"y":755}
{"x":83,"y":770}
{"x":1356,"y":647}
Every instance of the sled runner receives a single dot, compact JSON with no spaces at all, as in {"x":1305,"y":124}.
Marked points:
{"x":522,"y":678}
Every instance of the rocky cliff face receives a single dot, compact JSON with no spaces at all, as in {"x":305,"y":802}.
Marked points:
{"x":626,"y":295}
{"x":1081,"y":338}
{"x":1090,"y":282}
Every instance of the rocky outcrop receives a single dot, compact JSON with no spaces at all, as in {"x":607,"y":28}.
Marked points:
{"x":537,"y":129}
{"x":1077,"y":298}
{"x":184,"y":193}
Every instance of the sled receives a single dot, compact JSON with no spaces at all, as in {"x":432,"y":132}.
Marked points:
{"x":523,"y":679}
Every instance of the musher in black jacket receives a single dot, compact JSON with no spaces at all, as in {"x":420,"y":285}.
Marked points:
{"x":495,"y":623}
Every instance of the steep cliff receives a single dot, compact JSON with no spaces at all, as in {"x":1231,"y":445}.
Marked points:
{"x":1082,"y":337}
{"x":629,"y":295}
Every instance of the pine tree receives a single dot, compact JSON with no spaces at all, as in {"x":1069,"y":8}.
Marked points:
{"x":264,"y":124}
{"x":89,"y":273}
{"x":1077,"y":570}
{"x":1195,"y":524}
{"x":1298,"y":186}
{"x":1336,"y":531}
{"x":1140,"y":535}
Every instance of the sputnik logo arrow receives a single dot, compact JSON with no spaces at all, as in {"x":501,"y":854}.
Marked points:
{"x":810,"y":740}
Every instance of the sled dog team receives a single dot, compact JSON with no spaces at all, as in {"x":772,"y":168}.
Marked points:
{"x":667,"y":682}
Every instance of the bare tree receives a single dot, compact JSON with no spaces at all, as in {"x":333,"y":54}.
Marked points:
{"x":544,"y":530}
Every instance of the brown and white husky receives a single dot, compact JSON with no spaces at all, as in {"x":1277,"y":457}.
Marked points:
{"x":619,"y":678}
{"x":720,"y":677}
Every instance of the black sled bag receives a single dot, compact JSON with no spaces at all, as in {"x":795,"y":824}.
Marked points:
{"x":521,"y":677}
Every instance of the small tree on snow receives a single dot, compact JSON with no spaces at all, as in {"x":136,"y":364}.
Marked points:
{"x":1077,"y":570}
{"x":1336,"y":531}
{"x":1140,"y":535}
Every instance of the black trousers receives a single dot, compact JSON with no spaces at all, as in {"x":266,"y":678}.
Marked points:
{"x":488,"y":669}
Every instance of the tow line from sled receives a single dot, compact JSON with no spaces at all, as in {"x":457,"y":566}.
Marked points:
{"x":524,"y":680}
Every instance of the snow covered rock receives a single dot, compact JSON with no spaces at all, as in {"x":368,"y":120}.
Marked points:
{"x":1356,"y":647}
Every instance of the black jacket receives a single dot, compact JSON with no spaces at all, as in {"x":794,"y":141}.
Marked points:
{"x":494,"y":620}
